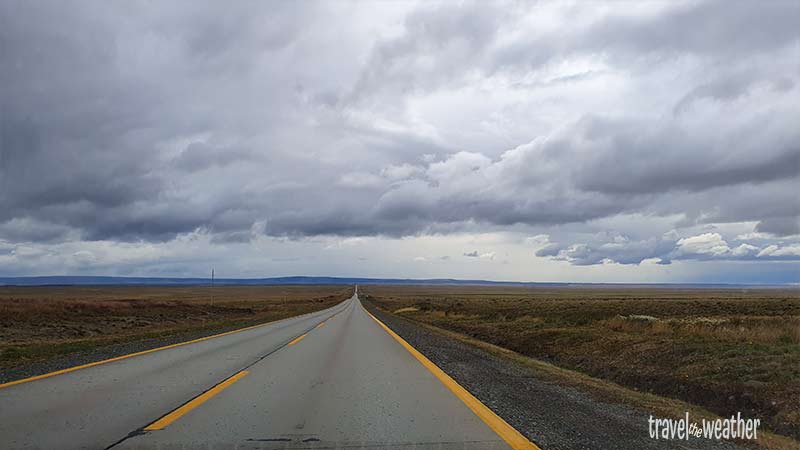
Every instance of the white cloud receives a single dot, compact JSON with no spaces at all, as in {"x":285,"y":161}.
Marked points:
{"x":602,"y":248}
{"x":744,"y":250}
{"x":710,"y":244}
{"x":777,"y":251}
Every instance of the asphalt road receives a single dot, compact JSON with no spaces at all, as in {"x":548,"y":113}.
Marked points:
{"x":330,"y":379}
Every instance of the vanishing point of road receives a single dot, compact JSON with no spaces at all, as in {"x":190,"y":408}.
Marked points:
{"x":336,"y":378}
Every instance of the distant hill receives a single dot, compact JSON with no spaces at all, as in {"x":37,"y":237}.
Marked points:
{"x":157,"y":281}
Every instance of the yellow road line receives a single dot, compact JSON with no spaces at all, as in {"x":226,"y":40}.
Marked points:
{"x":195,"y":402}
{"x":131,"y":355}
{"x":513,"y":438}
{"x":297,"y":339}
{"x":320,"y":324}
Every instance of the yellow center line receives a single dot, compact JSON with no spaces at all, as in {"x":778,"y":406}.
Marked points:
{"x":202,"y":398}
{"x":195,"y":402}
{"x":513,"y":438}
{"x":131,"y":355}
{"x":144,"y":352}
{"x":296,"y":340}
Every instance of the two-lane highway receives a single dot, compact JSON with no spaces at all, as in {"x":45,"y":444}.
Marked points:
{"x":332,"y":379}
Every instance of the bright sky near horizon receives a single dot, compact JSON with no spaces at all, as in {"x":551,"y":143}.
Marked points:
{"x":529,"y":141}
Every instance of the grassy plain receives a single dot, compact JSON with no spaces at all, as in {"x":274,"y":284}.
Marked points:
{"x":41,"y":322}
{"x":727,"y":350}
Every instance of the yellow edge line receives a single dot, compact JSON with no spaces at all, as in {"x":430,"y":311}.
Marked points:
{"x":144,"y":352}
{"x":320,"y":324}
{"x":195,"y":402}
{"x":297,"y":339}
{"x":513,"y":438}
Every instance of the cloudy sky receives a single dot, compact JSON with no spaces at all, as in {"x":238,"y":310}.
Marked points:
{"x":540,"y":141}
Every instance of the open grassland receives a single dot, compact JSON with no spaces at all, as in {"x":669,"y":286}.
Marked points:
{"x":41,"y":322}
{"x":723,"y":349}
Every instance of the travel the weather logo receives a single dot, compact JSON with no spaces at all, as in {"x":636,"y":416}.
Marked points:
{"x":734,"y":427}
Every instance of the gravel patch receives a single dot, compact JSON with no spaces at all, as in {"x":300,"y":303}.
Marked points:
{"x":550,"y":415}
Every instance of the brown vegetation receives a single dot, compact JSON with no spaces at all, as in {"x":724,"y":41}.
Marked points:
{"x":726,"y":350}
{"x":41,"y":322}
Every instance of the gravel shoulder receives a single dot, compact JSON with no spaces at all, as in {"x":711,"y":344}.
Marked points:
{"x":551,"y":415}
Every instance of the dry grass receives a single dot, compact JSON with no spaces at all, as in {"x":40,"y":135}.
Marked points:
{"x":765,"y":330}
{"x":41,"y":322}
{"x":725,"y":350}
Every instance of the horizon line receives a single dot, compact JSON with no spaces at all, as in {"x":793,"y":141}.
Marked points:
{"x":73,"y":280}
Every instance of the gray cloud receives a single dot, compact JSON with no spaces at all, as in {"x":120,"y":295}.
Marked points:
{"x":25,"y":229}
{"x":140,"y":123}
{"x":199,"y":155}
{"x":637,"y":160}
{"x":732,"y":86}
{"x":438,"y":43}
{"x":706,"y":28}
{"x":780,"y":226}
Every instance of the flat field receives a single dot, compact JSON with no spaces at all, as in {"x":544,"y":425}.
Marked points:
{"x":728,"y":350}
{"x":37,"y":323}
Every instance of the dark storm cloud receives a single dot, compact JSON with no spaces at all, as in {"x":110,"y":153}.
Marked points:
{"x":141,"y":122}
{"x":92,"y":95}
{"x":642,"y":160}
{"x":780,"y":226}
{"x":775,"y":200}
{"x":27,"y":230}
